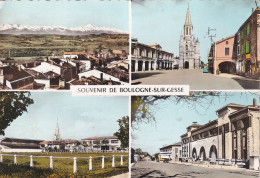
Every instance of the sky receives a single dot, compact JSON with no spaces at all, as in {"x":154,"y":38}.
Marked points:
{"x":172,"y":120}
{"x":108,"y":13}
{"x":78,"y":117}
{"x":162,"y":21}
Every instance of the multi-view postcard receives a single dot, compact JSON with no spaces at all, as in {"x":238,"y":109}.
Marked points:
{"x":52,"y":45}
{"x":130,"y":88}
{"x":52,"y":134}
{"x":210,"y":45}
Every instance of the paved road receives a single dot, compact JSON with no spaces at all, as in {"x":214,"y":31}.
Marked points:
{"x":195,"y":78}
{"x":152,"y":169}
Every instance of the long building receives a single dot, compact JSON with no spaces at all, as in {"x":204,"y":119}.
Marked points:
{"x":151,"y":57}
{"x":232,"y":139}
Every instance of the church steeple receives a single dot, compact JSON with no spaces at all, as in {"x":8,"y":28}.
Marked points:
{"x":57,"y":133}
{"x":188,"y":25}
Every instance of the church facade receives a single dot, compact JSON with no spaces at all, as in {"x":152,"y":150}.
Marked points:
{"x":189,"y":46}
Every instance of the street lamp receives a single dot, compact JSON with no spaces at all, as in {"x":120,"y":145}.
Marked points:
{"x":215,"y":53}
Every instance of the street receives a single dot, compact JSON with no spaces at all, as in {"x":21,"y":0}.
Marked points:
{"x":156,"y":169}
{"x":195,"y":78}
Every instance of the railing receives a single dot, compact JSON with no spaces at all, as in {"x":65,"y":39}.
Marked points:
{"x":73,"y":158}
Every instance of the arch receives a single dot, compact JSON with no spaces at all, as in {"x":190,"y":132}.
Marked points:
{"x":194,"y":153}
{"x":213,"y":153}
{"x":146,"y":65}
{"x":227,"y":67}
{"x":202,"y":154}
{"x":186,"y":65}
{"x":133,"y":65}
{"x":140,"y":65}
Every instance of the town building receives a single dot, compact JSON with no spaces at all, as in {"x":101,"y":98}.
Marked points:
{"x":232,"y":139}
{"x":244,"y":52}
{"x":171,"y":152}
{"x":109,"y":143}
{"x":189,"y":46}
{"x":225,"y":60}
{"x":148,"y":58}
{"x":8,"y":144}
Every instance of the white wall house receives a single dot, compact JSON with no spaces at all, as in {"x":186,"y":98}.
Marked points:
{"x":46,"y":67}
{"x":98,"y":74}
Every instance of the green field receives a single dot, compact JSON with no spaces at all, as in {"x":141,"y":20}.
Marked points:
{"x":46,"y":45}
{"x":63,"y":167}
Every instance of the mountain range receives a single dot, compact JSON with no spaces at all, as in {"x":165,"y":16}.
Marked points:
{"x":85,"y":30}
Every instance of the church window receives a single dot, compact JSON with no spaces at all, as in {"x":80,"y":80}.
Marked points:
{"x":226,"y":51}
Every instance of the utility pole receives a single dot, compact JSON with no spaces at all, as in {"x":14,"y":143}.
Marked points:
{"x":215,"y":49}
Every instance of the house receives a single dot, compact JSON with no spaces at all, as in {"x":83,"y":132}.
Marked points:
{"x":108,"y":143}
{"x":171,"y":152}
{"x":15,"y":77}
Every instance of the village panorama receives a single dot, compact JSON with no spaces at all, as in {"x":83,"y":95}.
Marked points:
{"x":56,"y":58}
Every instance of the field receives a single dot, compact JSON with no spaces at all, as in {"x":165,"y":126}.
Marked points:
{"x":63,"y":167}
{"x":46,"y":45}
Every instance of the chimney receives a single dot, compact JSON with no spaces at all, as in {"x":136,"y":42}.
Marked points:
{"x":254,"y":102}
{"x":101,"y":76}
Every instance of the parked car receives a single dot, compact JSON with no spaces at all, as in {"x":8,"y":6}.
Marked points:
{"x":205,"y":70}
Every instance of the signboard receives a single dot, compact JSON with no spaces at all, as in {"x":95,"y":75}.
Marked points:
{"x":248,"y":56}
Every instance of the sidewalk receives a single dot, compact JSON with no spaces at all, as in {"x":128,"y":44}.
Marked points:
{"x":238,"y":77}
{"x":125,"y":175}
{"x":215,"y":166}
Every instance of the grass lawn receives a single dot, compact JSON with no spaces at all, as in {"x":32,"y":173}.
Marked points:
{"x":63,"y":167}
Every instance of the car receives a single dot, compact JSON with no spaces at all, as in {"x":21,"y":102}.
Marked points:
{"x":166,"y":160}
{"x":205,"y":70}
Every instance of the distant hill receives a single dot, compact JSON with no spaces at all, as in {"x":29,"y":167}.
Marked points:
{"x":15,"y":29}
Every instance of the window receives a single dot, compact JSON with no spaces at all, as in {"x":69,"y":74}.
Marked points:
{"x":242,"y":50}
{"x":226,"y":51}
{"x":242,"y":34}
{"x":238,"y":37}
{"x":247,"y":47}
{"x":248,"y":29}
{"x":238,"y":50}
{"x":226,"y":42}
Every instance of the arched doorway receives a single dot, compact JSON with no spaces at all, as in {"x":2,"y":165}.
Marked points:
{"x":194,"y":153}
{"x":247,"y":66}
{"x":186,"y":65}
{"x":202,"y":154}
{"x":227,"y":67}
{"x":146,"y":65}
{"x":213,"y":153}
{"x":140,"y":65}
{"x":133,"y":65}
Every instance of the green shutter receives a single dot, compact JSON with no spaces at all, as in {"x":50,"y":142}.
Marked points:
{"x":242,"y":49}
{"x":242,"y":34}
{"x":248,"y":29}
{"x":247,"y":47}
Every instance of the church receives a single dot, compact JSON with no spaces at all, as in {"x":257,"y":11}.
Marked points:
{"x":189,"y":47}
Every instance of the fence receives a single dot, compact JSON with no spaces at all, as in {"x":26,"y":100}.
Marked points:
{"x":73,"y":158}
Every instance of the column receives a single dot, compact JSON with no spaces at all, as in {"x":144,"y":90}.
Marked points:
{"x":113,"y":161}
{"x":155,"y":65}
{"x":136,"y":65}
{"x":143,"y":66}
{"x":74,"y":165}
{"x":103,"y":162}
{"x":15,"y":160}
{"x":51,"y":162}
{"x":149,"y":65}
{"x":90,"y":164}
{"x":121,"y":161}
{"x":31,"y":161}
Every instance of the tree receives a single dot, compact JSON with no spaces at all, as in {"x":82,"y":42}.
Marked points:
{"x":143,"y":108}
{"x":12,"y":105}
{"x":123,"y":131}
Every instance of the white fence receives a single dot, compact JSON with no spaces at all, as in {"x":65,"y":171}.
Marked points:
{"x":73,"y":158}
